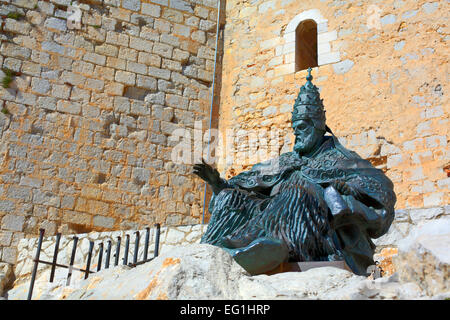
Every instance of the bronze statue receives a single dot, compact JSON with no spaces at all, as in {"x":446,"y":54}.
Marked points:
{"x":320,"y":202}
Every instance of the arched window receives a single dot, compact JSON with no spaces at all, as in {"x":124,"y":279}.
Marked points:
{"x":306,"y":45}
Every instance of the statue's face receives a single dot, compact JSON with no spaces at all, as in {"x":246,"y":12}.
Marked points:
{"x":307,"y":137}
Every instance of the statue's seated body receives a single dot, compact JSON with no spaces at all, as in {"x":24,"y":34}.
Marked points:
{"x":320,"y":202}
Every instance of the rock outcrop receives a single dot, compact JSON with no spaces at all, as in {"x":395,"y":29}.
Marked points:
{"x":201,"y":271}
{"x":6,"y":277}
{"x":424,"y":257}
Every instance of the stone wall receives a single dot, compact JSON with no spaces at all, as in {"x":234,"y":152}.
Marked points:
{"x":86,"y":120}
{"x":382,"y":74}
{"x":170,"y":237}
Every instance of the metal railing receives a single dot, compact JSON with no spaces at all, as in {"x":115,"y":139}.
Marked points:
{"x":87,"y":270}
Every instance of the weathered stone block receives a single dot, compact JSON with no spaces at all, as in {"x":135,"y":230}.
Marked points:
{"x":136,"y":67}
{"x":9,"y":255}
{"x":5,"y":238}
{"x":103,"y":222}
{"x":40,"y":86}
{"x":116,"y":63}
{"x":114,"y":89}
{"x":13,"y":222}
{"x":134,"y":5}
{"x":409,"y":14}
{"x":207,"y":25}
{"x":19,"y":192}
{"x":182,"y":5}
{"x":7,"y":206}
{"x":159,"y":73}
{"x":199,"y":36}
{"x":48,"y":103}
{"x":156,"y":98}
{"x":163,"y":50}
{"x":12,"y":50}
{"x":116,"y":38}
{"x":182,"y":30}
{"x":140,"y":108}
{"x":69,"y":107}
{"x":284,"y":69}
{"x":56,"y":24}
{"x":73,"y":78}
{"x":204,"y":75}
{"x":127,"y":54}
{"x":80,"y":95}
{"x":192,"y":21}
{"x":433,"y":199}
{"x":15,"y":26}
{"x":77,"y":218}
{"x":121,"y":104}
{"x":140,"y":44}
{"x":343,"y":66}
{"x":146,"y":82}
{"x":95,"y":58}
{"x":149,"y":59}
{"x":180,"y":55}
{"x":176,"y":101}
{"x":89,"y":111}
{"x":83,"y":67}
{"x":206,"y":53}
{"x":388,"y":19}
{"x":12,"y":64}
{"x":430,"y":7}
{"x":26,"y":98}
{"x":419,"y":215}
{"x":149,"y":34}
{"x":107,"y":49}
{"x":171,"y":65}
{"x":151,"y":10}
{"x":125,"y":77}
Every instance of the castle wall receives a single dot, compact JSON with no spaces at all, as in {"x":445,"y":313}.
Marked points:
{"x":86,"y":122}
{"x":382,"y":74}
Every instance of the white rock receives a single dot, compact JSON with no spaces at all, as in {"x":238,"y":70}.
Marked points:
{"x":6,"y":276}
{"x":424,"y":257}
{"x":202,"y":271}
{"x":313,"y":284}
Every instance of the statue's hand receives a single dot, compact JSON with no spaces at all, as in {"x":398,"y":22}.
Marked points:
{"x":209,"y":175}
{"x":343,"y":188}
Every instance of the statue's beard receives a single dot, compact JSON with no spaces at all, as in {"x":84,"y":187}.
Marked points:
{"x":304,"y":145}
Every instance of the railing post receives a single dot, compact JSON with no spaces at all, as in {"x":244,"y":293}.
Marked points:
{"x":108,"y":254}
{"x":100,"y":256}
{"x":116,"y":260}
{"x":36,"y":263}
{"x":158,"y":231}
{"x":136,"y":248}
{"x":72,"y":259}
{"x":147,"y":238}
{"x":127,"y":245}
{"x":88,"y":264}
{"x":55,"y":257}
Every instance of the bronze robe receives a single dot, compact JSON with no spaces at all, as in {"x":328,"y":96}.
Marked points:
{"x":289,"y":199}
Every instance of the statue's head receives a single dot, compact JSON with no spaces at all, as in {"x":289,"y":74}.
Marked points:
{"x":308,"y":118}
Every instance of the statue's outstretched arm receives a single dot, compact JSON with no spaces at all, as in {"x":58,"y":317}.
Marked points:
{"x":211,"y":176}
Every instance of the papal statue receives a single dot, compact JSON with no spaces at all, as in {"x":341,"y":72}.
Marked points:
{"x":320,"y":202}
